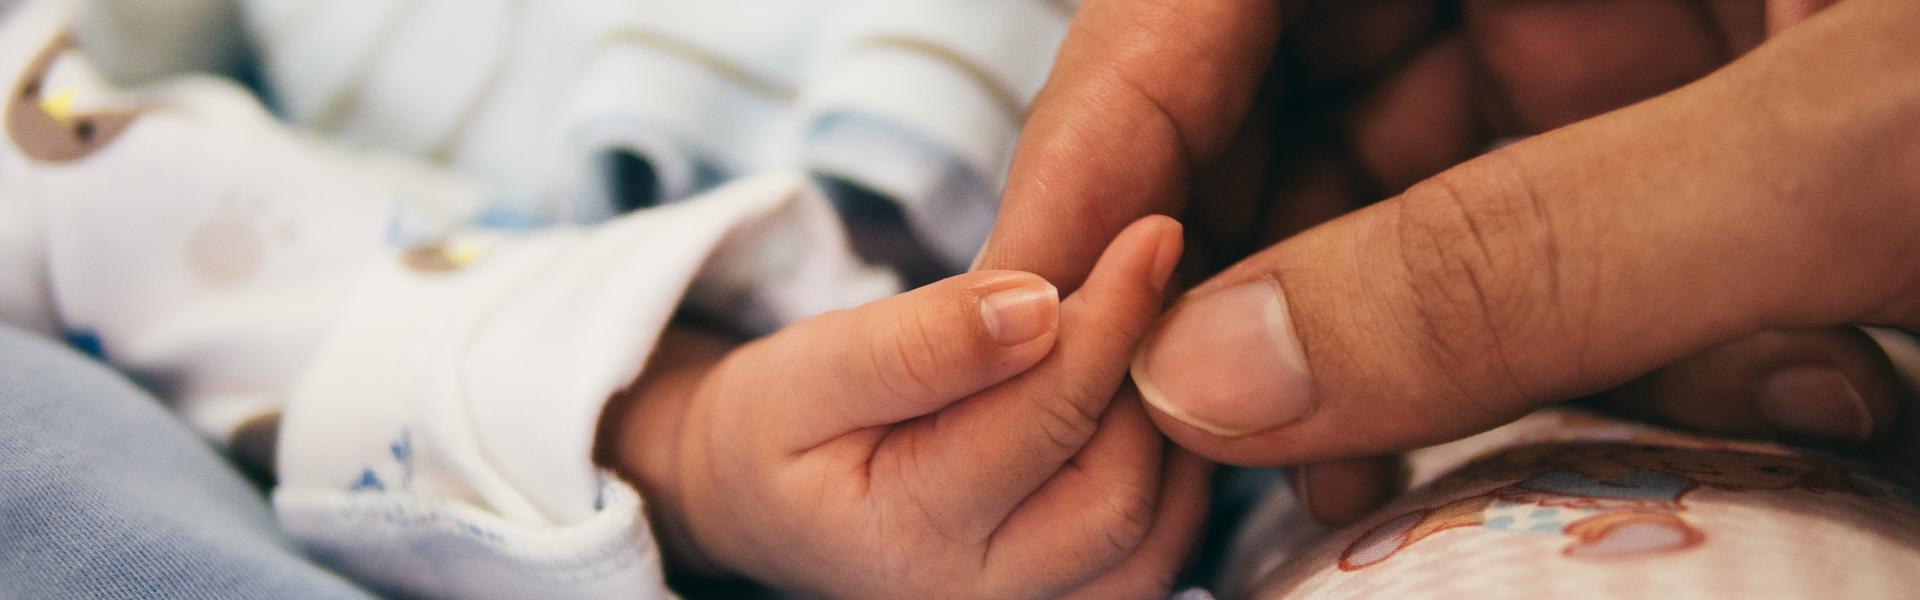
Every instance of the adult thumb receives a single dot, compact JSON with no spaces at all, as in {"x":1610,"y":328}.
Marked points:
{"x":1570,"y":262}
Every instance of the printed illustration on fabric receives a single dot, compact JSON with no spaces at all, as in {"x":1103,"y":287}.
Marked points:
{"x":1608,"y":499}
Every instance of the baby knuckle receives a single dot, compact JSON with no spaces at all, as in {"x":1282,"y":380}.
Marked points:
{"x":1123,"y":522}
{"x":1066,"y":420}
{"x":910,"y":364}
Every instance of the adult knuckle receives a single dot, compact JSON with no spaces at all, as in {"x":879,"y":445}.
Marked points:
{"x":1484,"y":273}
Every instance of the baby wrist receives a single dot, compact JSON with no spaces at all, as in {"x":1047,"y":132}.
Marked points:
{"x":642,"y":439}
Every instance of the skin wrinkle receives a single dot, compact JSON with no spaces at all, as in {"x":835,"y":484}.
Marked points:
{"x":1132,"y":520}
{"x":993,"y":539}
{"x":1056,"y":138}
{"x":1189,"y":61}
{"x":1128,"y":578}
{"x":1135,"y":514}
{"x":1079,"y":465}
{"x":1081,"y":429}
{"x":1444,"y":196}
{"x":960,"y":530}
{"x":843,"y":412}
{"x":1108,"y":224}
{"x":846,"y":412}
{"x":1069,"y":424}
{"x":1591,"y":294}
{"x":1184,"y":167}
{"x":1548,"y":247}
{"x":913,"y":346}
{"x":1540,"y":239}
{"x":986,"y":538}
{"x":904,"y":473}
{"x":1123,"y":550}
{"x":929,"y":428}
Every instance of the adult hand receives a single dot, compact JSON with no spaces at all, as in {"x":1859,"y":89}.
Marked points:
{"x":1550,"y":269}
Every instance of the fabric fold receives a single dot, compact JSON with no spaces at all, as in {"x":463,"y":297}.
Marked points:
{"x":469,"y":381}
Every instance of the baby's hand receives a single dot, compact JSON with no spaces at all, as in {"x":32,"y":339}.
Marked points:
{"x":960,"y":440}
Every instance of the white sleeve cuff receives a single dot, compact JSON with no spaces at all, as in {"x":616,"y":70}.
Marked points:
{"x":408,"y":546}
{"x":933,"y":69}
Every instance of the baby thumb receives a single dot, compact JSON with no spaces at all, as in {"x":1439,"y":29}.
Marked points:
{"x":899,"y":357}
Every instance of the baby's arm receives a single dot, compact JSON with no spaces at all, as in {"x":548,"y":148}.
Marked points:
{"x":958,"y":440}
{"x":434,"y":388}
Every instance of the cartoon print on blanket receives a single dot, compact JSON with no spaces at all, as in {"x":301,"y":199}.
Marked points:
{"x":1611,"y":499}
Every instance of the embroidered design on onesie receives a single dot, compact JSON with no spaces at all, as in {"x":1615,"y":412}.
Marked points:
{"x":1611,"y":499}
{"x":42,"y":118}
{"x":401,"y":450}
{"x":441,"y":257}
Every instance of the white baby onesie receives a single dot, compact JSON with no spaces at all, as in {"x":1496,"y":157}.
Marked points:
{"x":437,"y":385}
{"x":918,"y":100}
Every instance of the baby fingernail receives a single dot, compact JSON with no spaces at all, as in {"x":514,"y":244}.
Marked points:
{"x":1018,"y":315}
{"x":1227,"y":362}
{"x":1816,"y":401}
